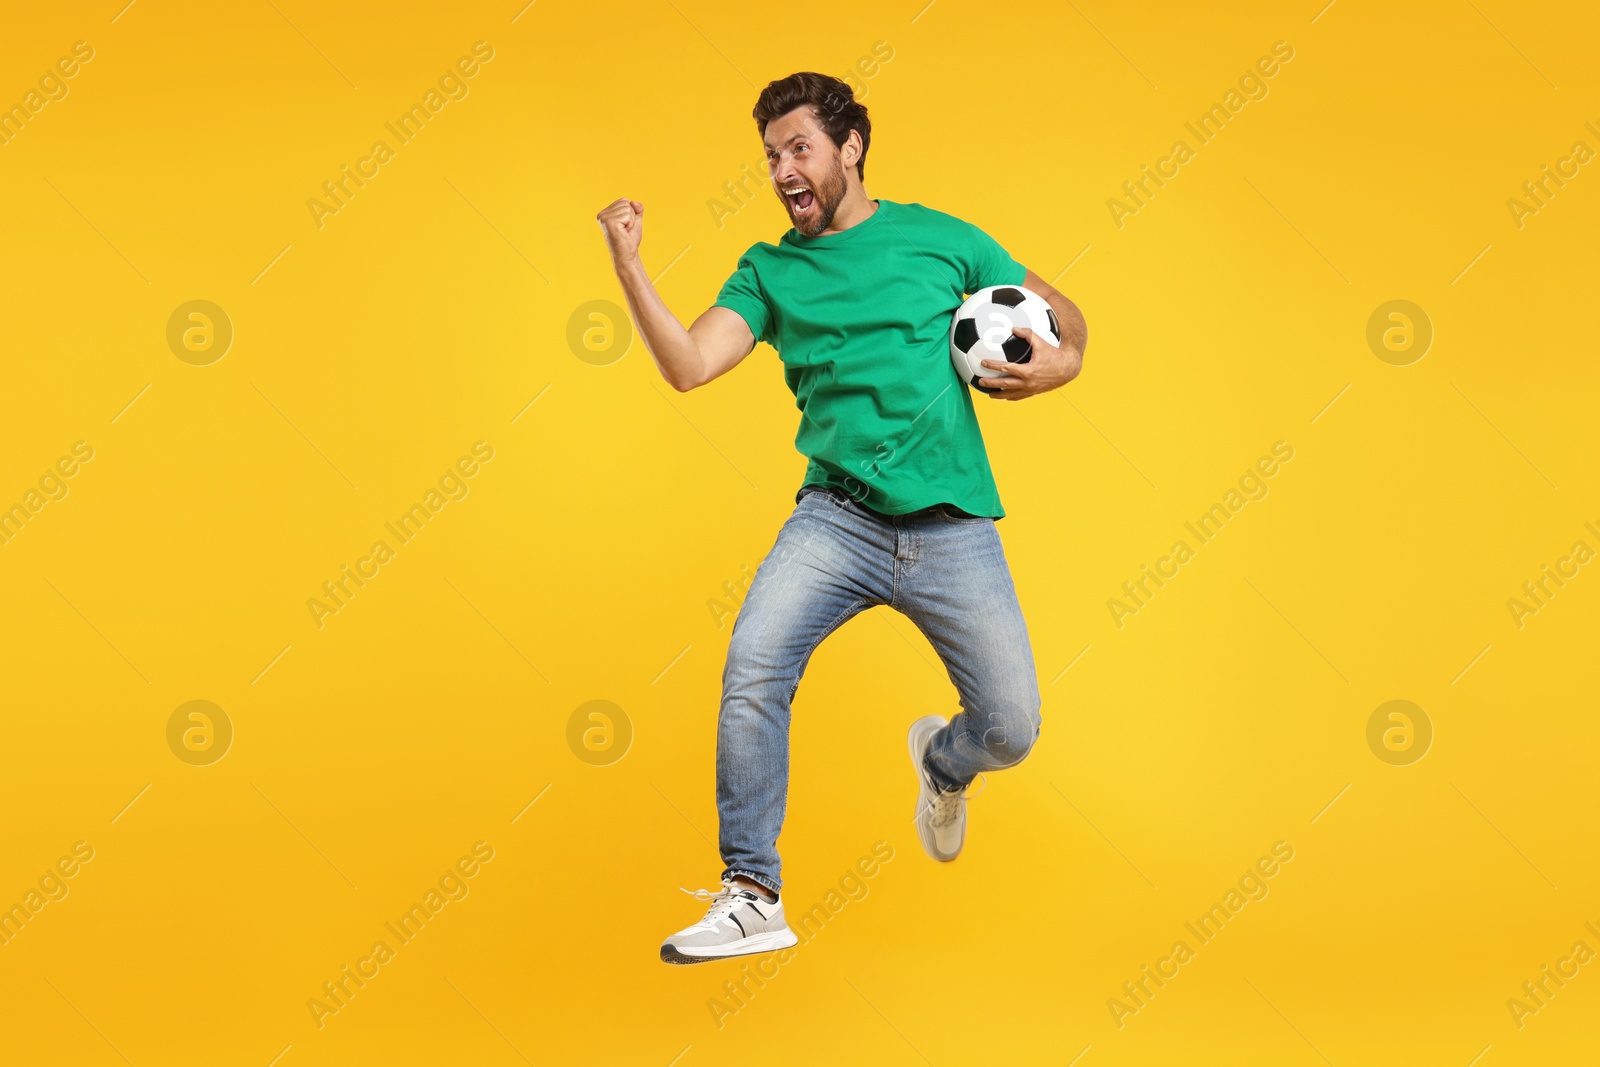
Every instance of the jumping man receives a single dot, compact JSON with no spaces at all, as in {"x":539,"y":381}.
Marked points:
{"x":898,"y":504}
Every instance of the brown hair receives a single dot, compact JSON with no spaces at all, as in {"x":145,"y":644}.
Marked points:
{"x":832,"y":101}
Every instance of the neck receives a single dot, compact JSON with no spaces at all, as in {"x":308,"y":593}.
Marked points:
{"x":855,"y":208}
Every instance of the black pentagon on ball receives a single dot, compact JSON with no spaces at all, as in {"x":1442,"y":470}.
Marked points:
{"x":1008,"y":297}
{"x":1055,"y":327}
{"x":1017,"y":349}
{"x":966,"y":334}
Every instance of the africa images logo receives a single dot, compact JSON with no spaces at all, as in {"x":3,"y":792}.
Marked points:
{"x":452,"y":86}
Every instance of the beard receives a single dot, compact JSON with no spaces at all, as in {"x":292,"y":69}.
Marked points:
{"x":829,"y":194}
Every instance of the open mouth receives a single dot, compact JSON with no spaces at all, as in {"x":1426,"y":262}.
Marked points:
{"x":800,"y":198}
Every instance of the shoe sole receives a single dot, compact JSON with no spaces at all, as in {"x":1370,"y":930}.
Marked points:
{"x":770,"y":941}
{"x":916,"y":764}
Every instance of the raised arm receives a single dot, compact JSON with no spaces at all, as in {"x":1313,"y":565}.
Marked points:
{"x":709,"y":348}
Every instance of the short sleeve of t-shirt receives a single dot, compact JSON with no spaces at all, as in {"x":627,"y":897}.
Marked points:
{"x":989,"y":264}
{"x":742,"y":293}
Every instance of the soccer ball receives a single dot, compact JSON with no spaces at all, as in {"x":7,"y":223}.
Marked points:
{"x":981,"y":329}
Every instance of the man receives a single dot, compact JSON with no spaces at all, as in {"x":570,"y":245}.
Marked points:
{"x":898,"y":505}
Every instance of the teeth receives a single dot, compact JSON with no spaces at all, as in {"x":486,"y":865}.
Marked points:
{"x":797,"y":191}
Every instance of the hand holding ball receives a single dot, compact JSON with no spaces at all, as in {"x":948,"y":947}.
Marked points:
{"x":981,"y":329}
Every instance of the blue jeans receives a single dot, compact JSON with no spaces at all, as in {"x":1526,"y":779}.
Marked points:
{"x":834,"y":557}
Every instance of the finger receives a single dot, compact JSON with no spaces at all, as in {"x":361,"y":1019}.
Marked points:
{"x":1034,"y":340}
{"x":1000,"y":384}
{"x":1020,"y":370}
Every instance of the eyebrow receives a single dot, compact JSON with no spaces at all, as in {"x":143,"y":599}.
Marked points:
{"x":791,"y":140}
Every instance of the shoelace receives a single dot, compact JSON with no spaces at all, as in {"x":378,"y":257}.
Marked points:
{"x":945,"y":803}
{"x":722,"y":902}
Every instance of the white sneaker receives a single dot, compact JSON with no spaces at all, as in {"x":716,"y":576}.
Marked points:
{"x":941,"y":814}
{"x":738,"y":923}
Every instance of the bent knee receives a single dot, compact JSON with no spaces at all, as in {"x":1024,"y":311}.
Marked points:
{"x":1014,"y":747}
{"x":1011,"y":736}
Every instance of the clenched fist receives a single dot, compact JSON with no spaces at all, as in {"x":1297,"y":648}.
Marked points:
{"x":623,"y":224}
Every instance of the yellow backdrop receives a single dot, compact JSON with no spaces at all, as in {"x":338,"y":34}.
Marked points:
{"x":338,"y":495}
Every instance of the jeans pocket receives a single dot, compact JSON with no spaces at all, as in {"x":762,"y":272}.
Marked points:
{"x":812,"y":496}
{"x":830,"y":494}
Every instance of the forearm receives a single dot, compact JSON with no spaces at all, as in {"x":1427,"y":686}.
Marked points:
{"x":675,"y":352}
{"x":1074,"y":331}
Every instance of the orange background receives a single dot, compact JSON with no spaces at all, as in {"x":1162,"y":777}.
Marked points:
{"x":431,"y":711}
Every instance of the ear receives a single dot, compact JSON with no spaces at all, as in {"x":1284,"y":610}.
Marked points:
{"x":852,"y":149}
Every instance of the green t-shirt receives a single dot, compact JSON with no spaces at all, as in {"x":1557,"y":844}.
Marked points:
{"x":861,"y":320}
